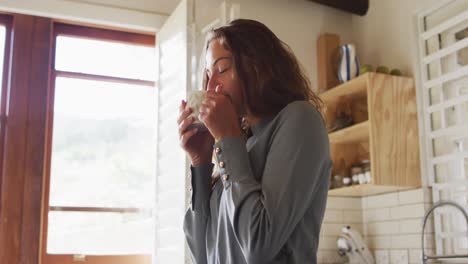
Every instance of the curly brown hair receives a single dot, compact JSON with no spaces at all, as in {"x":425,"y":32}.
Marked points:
{"x":270,"y":74}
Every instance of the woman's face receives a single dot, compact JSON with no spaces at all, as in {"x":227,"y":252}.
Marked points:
{"x":221,"y":71}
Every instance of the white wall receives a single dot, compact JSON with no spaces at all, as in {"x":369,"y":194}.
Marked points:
{"x":299,"y":23}
{"x":387,"y":34}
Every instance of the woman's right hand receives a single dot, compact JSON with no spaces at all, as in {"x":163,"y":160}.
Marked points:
{"x":197,"y":144}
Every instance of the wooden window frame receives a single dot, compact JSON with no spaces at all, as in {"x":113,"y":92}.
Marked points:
{"x":5,"y":20}
{"x":22,"y":182}
{"x":63,"y":29}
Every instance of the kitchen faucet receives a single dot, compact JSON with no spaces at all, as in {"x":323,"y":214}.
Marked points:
{"x":425,"y":257}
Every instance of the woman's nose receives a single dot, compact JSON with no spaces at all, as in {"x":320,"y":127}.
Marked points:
{"x":212,"y":83}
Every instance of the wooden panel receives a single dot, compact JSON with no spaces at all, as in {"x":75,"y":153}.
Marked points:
{"x":349,"y":98}
{"x":47,"y":161}
{"x":34,"y":156}
{"x":327,"y":44}
{"x":365,"y":190}
{"x":358,"y":109}
{"x":354,"y":106}
{"x":346,"y":155}
{"x":6,"y":21}
{"x":387,"y":106}
{"x":24,"y":146}
{"x":351,"y":89}
{"x":15,"y":144}
{"x":357,"y":132}
{"x":394,"y":130}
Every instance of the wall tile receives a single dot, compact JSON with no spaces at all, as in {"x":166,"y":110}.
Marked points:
{"x":379,"y":242}
{"x":379,"y":201}
{"x":411,"y":241}
{"x":390,"y":223}
{"x":399,"y":257}
{"x":328,"y":242}
{"x":415,"y":255}
{"x":374,"y":215}
{"x":330,"y":257}
{"x":414,"y":226}
{"x":411,"y":197}
{"x":344,"y":203}
{"x":352,"y":217}
{"x":335,"y":229}
{"x":407,"y":211}
{"x":382,"y":228}
{"x":333,"y":216}
{"x":382,"y":257}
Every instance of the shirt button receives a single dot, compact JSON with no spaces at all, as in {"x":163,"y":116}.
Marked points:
{"x":225,"y":177}
{"x":221,"y":164}
{"x":217,"y":150}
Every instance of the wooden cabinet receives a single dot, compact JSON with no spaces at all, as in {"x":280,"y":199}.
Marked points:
{"x":385,"y":132}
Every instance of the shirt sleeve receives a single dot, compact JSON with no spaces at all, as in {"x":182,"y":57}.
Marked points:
{"x":264,"y":215}
{"x":196,"y":217}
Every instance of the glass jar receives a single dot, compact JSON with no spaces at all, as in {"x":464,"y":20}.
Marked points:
{"x":337,"y":181}
{"x":366,"y":169}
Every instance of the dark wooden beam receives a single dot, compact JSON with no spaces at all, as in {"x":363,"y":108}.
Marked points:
{"x":357,"y":7}
{"x":21,"y":194}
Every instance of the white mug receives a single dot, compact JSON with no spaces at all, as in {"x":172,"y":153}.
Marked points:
{"x":194,"y":101}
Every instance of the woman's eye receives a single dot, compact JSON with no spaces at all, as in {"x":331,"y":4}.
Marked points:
{"x":221,"y":70}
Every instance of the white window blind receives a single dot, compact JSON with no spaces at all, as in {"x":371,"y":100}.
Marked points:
{"x":173,"y":56}
{"x":443,"y":93}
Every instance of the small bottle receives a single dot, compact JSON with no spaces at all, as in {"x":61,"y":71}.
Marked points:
{"x":342,"y":172}
{"x":347,"y":181}
{"x":362,"y":178}
{"x":355,"y":172}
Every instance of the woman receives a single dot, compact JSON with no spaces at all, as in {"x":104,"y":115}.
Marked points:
{"x":266,"y":201}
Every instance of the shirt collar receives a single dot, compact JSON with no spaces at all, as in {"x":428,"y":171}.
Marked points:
{"x":260,"y":125}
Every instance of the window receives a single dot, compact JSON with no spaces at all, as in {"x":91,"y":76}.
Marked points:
{"x":442,"y":32}
{"x":5,"y":28}
{"x":100,"y":185}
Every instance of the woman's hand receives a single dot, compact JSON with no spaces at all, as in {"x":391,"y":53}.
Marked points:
{"x":219,"y":115}
{"x":197,"y":144}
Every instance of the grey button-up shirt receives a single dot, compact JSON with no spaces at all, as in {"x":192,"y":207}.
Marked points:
{"x":269,"y":203}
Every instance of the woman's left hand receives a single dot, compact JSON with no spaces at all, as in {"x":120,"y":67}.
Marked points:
{"x":219,"y":115}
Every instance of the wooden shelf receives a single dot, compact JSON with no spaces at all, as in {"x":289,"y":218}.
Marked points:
{"x":386,"y":132}
{"x":354,"y":133}
{"x":357,"y":87}
{"x":365,"y":190}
